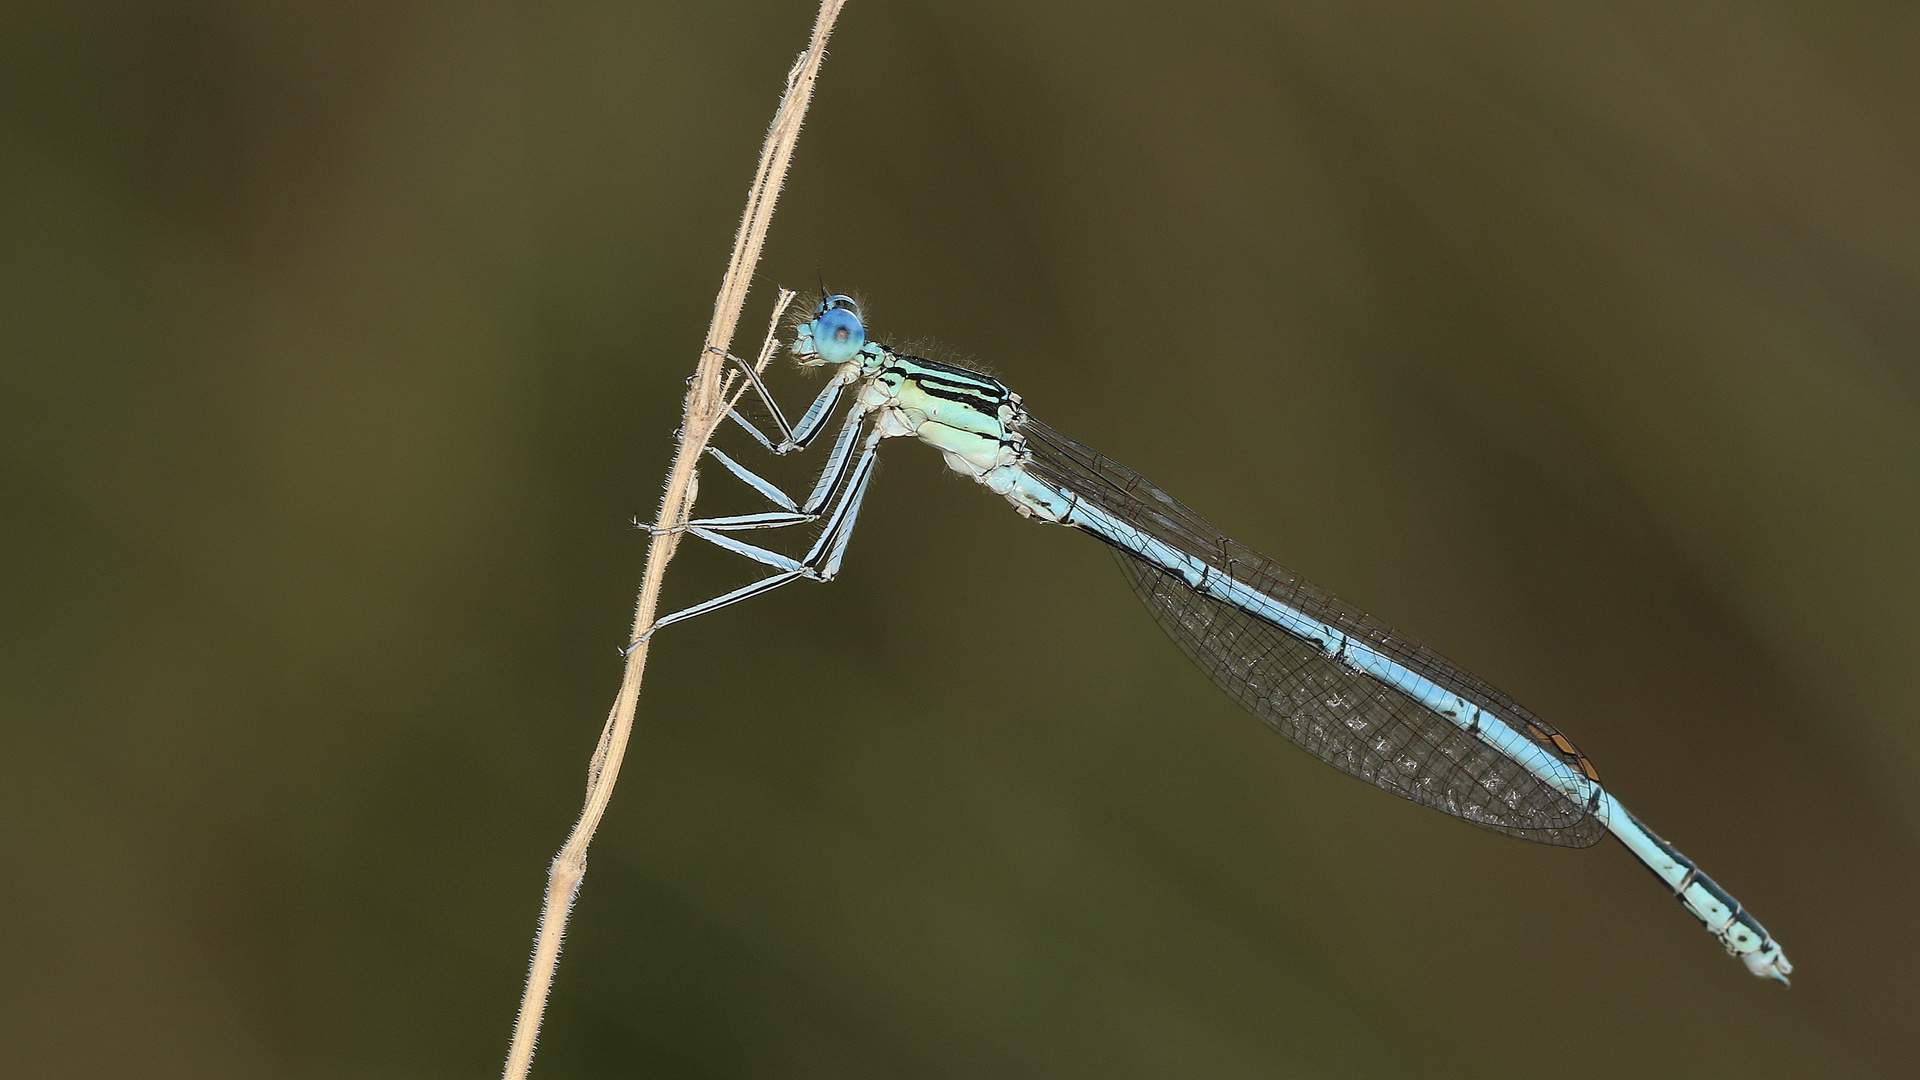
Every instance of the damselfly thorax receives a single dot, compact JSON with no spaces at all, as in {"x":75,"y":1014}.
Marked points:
{"x":970,"y":417}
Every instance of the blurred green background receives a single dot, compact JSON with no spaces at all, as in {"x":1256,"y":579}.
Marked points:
{"x":340,"y":341}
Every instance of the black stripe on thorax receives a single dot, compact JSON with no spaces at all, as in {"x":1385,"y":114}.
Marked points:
{"x":986,"y":388}
{"x":937,"y":365}
{"x":968,"y":396}
{"x":987,"y":395}
{"x":956,"y":375}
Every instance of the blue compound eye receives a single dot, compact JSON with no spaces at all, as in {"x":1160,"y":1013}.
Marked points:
{"x":837,"y":334}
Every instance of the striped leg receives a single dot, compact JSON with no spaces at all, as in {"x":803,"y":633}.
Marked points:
{"x":792,"y":436}
{"x":755,"y":481}
{"x":822,"y":560}
{"x":790,"y":513}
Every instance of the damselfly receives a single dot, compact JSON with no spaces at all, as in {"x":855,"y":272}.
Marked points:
{"x":1370,"y":702}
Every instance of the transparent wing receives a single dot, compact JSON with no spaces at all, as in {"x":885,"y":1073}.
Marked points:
{"x":1361,"y":726}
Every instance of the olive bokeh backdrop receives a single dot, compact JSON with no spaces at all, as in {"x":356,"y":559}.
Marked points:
{"x":340,"y":341}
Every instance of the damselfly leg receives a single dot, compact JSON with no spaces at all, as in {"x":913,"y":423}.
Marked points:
{"x":791,"y":513}
{"x":792,"y":436}
{"x":844,"y":472}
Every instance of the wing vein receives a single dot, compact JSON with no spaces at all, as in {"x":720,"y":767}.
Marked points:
{"x":1360,"y":725}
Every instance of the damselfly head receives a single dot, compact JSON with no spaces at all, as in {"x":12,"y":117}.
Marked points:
{"x":833,"y":336}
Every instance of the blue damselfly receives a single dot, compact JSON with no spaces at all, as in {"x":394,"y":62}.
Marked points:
{"x":1368,"y":701}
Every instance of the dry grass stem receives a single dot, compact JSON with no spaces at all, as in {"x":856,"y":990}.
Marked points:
{"x":705,"y":408}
